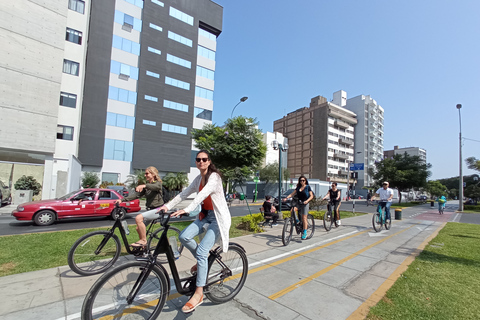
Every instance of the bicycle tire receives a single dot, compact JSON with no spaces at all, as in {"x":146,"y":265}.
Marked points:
{"x":310,"y":226}
{"x":82,"y":258}
{"x":376,"y":222}
{"x":225,"y":287}
{"x":287,"y":231}
{"x":107,"y":297}
{"x":388,"y":223}
{"x":327,"y":221}
{"x":155,"y":237}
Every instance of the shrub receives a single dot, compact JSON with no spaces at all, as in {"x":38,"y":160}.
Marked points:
{"x":472,"y":207}
{"x":251,"y":222}
{"x":90,"y":180}
{"x":105,"y":184}
{"x":28,"y":183}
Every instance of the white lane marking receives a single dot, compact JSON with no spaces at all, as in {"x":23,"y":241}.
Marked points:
{"x":378,"y":234}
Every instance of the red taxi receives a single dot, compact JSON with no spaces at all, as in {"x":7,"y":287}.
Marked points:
{"x":81,"y":203}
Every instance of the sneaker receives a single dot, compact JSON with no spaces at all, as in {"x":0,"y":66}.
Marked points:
{"x":304,"y":234}
{"x":339,"y":222}
{"x":275,"y":224}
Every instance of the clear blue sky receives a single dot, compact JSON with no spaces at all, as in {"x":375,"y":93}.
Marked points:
{"x":417,"y":59}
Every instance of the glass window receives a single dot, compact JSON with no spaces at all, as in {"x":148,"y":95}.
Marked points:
{"x":126,"y":45}
{"x":203,"y":114}
{"x":207,"y":34}
{"x":207,"y":53}
{"x":123,"y":69}
{"x":174,"y":129}
{"x":138,"y":3}
{"x":128,"y":20}
{"x":154,"y":26}
{"x":118,"y":150}
{"x":154,"y":50}
{"x":68,"y":99}
{"x":160,"y":3}
{"x":182,"y":16}
{"x":123,"y":95}
{"x":179,"y":61}
{"x":74,"y":36}
{"x":150,"y":123}
{"x":77,"y":5}
{"x":153,"y":74}
{"x":175,"y":105}
{"x":206,"y":73}
{"x":179,"y":38}
{"x":147,"y":97}
{"x":64,"y":132}
{"x":204,"y":93}
{"x":70,"y":67}
{"x":177,"y":83}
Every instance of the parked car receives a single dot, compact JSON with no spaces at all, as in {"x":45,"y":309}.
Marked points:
{"x":357,"y":196}
{"x":471,"y":202}
{"x":422,"y":198}
{"x":287,"y":205}
{"x":120,"y":189}
{"x":5,"y":194}
{"x":92,"y":202}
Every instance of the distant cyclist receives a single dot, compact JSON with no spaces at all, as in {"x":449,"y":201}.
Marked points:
{"x":305,"y":195}
{"x":385,"y":194}
{"x":442,"y":201}
{"x":334,"y":195}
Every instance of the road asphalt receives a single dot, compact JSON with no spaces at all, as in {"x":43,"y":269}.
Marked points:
{"x":356,"y":269}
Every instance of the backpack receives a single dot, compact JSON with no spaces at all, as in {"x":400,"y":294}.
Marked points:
{"x":165,"y":195}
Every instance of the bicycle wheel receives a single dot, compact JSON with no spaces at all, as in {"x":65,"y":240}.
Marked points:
{"x":377,"y":223}
{"x":287,"y":231}
{"x":227,"y":275}
{"x":107,"y":299}
{"x":94,"y":253}
{"x":388,"y":223}
{"x":155,"y":237}
{"x":327,"y":220}
{"x":310,"y":226}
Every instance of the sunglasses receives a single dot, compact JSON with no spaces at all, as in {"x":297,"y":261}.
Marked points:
{"x":303,"y":180}
{"x":201,"y":159}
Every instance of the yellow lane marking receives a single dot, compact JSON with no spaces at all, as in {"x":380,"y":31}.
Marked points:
{"x":331,"y":267}
{"x":363,"y":310}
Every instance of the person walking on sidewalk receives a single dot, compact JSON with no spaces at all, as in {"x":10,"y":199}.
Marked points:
{"x":152,"y":190}
{"x":305,"y":195}
{"x":386,"y":195}
{"x":209,"y":189}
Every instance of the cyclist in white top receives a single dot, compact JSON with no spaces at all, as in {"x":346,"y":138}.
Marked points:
{"x":385,"y":194}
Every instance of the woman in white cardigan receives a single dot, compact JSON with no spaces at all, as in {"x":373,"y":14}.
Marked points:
{"x":210,"y":195}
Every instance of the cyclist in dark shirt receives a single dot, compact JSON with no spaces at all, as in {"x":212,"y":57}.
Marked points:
{"x":334,"y":195}
{"x":305,"y":195}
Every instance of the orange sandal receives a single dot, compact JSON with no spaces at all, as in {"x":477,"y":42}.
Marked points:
{"x":188,"y":307}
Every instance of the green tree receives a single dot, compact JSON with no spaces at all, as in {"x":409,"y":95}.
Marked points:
{"x":28,"y":183}
{"x":136,"y":179}
{"x":175,"y":181}
{"x":436,"y":189}
{"x":269,"y":173}
{"x":472,"y":191}
{"x":90,"y":180}
{"x":403,"y":172}
{"x":236,"y":148}
{"x":473,"y":163}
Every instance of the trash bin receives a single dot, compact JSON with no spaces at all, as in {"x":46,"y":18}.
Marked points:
{"x":398,"y":214}
{"x":432,"y":203}
{"x":242,"y":196}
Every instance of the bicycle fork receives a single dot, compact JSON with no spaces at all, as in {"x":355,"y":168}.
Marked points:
{"x":140,"y":281}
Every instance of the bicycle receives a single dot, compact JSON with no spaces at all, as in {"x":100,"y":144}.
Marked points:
{"x":330,"y":219}
{"x":293,"y":222}
{"x":140,"y":288}
{"x":379,"y":218}
{"x":97,"y":251}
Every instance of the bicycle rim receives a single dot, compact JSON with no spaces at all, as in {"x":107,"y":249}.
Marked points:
{"x":86,"y":257}
{"x":227,"y":275}
{"x":376,"y":222}
{"x":327,"y":221}
{"x":155,"y":237}
{"x":287,"y":232}
{"x":107,"y":299}
{"x":310,"y":226}
{"x":388,"y":224}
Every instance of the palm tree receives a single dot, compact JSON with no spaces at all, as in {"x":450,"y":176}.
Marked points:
{"x":175,"y":181}
{"x":136,"y":179}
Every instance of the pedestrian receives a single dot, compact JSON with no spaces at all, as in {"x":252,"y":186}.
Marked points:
{"x":269,"y":211}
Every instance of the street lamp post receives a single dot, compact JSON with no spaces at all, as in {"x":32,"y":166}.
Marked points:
{"x":460,"y":185}
{"x":278,"y":146}
{"x":241,"y":100}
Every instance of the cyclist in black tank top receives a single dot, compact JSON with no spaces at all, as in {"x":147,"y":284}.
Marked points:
{"x":305,"y":195}
{"x":334,"y":195}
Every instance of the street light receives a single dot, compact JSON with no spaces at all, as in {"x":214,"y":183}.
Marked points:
{"x":241,"y":100}
{"x":278,"y":146}
{"x":460,"y":187}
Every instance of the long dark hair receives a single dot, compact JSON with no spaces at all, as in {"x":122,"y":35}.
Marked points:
{"x":211,"y":167}
{"x":299,"y":184}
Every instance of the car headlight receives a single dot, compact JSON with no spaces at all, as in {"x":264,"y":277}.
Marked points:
{"x":20,"y":209}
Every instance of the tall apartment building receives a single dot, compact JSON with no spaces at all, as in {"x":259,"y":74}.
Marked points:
{"x":320,"y":140}
{"x":108,"y":86}
{"x":411,"y":151}
{"x":368,"y":132}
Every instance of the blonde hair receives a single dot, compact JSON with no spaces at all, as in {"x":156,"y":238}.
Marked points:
{"x":154,"y":172}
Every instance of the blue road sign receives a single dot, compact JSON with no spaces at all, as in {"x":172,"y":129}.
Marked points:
{"x":356,"y":166}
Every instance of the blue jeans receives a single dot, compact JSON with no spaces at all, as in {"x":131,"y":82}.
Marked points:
{"x":385,"y":205}
{"x":200,"y":251}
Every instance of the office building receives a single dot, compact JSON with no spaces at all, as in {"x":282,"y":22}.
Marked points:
{"x":411,"y":151}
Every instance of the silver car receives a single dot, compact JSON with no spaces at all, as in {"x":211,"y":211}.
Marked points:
{"x":5,"y":194}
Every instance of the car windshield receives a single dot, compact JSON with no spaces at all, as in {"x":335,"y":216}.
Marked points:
{"x":288,"y":192}
{"x":69,"y":195}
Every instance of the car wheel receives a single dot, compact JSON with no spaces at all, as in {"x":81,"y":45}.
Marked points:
{"x":44,"y":218}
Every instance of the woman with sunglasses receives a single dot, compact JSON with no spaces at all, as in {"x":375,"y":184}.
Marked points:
{"x":305,"y":195}
{"x":152,"y":190}
{"x":335,"y":196}
{"x":210,"y":195}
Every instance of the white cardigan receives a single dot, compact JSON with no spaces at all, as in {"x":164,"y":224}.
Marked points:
{"x":214,"y":189}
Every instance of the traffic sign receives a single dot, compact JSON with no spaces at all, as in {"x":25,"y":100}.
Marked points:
{"x":356,"y":166}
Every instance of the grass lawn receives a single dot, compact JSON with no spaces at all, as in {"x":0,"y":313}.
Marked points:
{"x":37,"y":251}
{"x":442,"y":283}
